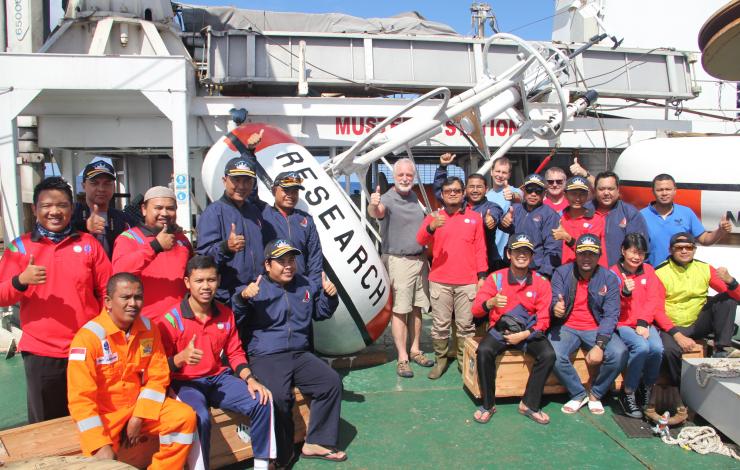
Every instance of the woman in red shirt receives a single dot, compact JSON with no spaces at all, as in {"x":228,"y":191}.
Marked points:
{"x":642,"y":306}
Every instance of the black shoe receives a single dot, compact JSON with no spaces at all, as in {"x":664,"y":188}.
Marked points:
{"x":629,"y":405}
{"x":643,"y":395}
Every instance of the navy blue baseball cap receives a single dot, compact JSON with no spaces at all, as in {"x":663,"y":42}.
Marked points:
{"x":279,"y":248}
{"x":288,"y":180}
{"x":588,"y":242}
{"x":239,"y":167}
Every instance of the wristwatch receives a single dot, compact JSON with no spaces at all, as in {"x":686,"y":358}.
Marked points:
{"x":601,"y":344}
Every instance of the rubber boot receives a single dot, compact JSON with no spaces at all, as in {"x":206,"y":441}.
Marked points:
{"x":460,"y":353}
{"x":453,"y":340}
{"x":441,"y":347}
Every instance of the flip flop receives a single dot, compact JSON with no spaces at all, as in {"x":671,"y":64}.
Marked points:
{"x":596,"y":407}
{"x":572,"y":406}
{"x":325,"y":456}
{"x":531,"y":415}
{"x":488,"y":417}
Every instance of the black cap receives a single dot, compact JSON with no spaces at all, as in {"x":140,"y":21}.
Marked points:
{"x":98,"y":168}
{"x":534,"y":179}
{"x":239,"y":167}
{"x":682,"y":237}
{"x":288,"y":179}
{"x":588,"y":242}
{"x":520,"y":240}
{"x":279,"y":248}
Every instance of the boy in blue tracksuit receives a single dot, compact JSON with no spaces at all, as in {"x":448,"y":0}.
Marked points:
{"x":276,"y":332}
{"x":475,"y":194}
{"x":230,"y":231}
{"x":537,"y":221}
{"x":621,"y":217}
{"x":585,"y":309}
{"x":283,"y":220}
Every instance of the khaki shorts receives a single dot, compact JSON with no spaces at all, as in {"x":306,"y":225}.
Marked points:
{"x":408,"y":276}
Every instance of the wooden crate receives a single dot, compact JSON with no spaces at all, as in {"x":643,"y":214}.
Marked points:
{"x":513,"y":368}
{"x":58,"y":437}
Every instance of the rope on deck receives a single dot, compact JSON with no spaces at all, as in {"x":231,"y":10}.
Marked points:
{"x":724,"y":368}
{"x":702,"y":440}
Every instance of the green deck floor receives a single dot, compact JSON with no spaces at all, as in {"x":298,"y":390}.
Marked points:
{"x":389,"y":422}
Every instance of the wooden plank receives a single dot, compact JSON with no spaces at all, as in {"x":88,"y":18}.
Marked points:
{"x":58,"y":437}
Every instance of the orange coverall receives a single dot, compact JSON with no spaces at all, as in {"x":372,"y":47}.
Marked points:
{"x":112,"y":378}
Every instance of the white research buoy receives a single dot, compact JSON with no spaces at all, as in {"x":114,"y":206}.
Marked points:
{"x":350,"y":259}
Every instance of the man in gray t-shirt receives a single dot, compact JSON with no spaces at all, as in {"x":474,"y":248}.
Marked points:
{"x":398,"y":212}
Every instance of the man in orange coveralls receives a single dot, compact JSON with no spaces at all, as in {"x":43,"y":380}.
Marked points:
{"x":118,"y":376}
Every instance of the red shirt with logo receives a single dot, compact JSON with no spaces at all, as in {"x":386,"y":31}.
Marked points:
{"x":77,"y":270}
{"x":136,"y":251}
{"x":590,"y":222}
{"x":533,"y":293}
{"x":178,"y":325}
{"x":645,"y":305}
{"x":458,"y":247}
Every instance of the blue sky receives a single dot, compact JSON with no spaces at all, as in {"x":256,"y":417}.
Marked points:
{"x":455,"y":13}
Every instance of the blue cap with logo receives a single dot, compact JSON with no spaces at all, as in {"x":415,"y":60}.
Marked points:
{"x":588,"y":242}
{"x":279,"y":248}
{"x":239,"y":167}
{"x":577,"y":182}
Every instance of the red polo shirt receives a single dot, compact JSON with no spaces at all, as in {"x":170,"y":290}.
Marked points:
{"x":590,"y":222}
{"x":458,"y":247}
{"x":136,"y":251}
{"x":217,"y":333}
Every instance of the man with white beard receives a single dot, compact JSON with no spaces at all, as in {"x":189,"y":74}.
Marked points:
{"x":397,"y":210}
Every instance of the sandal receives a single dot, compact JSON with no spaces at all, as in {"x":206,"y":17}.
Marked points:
{"x":596,"y":407}
{"x":574,"y":405}
{"x":485,"y":414}
{"x":404,"y":370}
{"x":529,"y":413}
{"x":331,"y":454}
{"x":422,"y":360}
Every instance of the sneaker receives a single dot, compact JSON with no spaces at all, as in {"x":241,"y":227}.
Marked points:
{"x":404,"y":370}
{"x":629,"y":405}
{"x":643,"y":395}
{"x":727,"y":352}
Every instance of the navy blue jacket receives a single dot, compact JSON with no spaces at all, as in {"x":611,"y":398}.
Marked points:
{"x":603,"y":297}
{"x":278,"y":319}
{"x":622,"y":219}
{"x":440,"y":175}
{"x":538,"y":224}
{"x":214,"y":226}
{"x":118,"y":222}
{"x":299,"y":228}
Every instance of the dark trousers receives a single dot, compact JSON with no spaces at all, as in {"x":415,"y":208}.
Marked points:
{"x":46,"y":387}
{"x":315,"y":378}
{"x":544,"y":360}
{"x":717,"y":316}
{"x":228,"y":393}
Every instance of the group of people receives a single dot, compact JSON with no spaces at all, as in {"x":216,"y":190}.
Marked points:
{"x":556,"y":265}
{"x":131,"y":330}
{"x":144,"y":333}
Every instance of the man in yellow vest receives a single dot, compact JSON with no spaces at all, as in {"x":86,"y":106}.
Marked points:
{"x":694,"y":315}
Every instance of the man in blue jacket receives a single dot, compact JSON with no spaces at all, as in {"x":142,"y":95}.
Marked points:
{"x":283,"y":220}
{"x":585,"y":309}
{"x":620,"y":217}
{"x":537,"y":221}
{"x":230,"y":231}
{"x":281,"y":308}
{"x":475,"y":195}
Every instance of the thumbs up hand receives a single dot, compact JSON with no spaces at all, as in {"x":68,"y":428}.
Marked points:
{"x":328,"y":286}
{"x":559,"y":308}
{"x":447,"y":158}
{"x":508,"y":193}
{"x":629,"y":283}
{"x":724,"y":224}
{"x":499,"y":300}
{"x":438,"y":220}
{"x":559,"y":233}
{"x":166,"y":239}
{"x":577,"y":169}
{"x":95,"y":223}
{"x":252,"y":289}
{"x":190,"y":355}
{"x":235,"y":242}
{"x":489,"y":220}
{"x":33,"y":274}
{"x":375,"y":197}
{"x":508,"y":219}
{"x":255,"y":139}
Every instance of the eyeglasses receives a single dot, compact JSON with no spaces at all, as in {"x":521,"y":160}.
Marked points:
{"x":555,"y":182}
{"x":452,"y":191}
{"x":684,"y":247}
{"x":535,"y":189}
